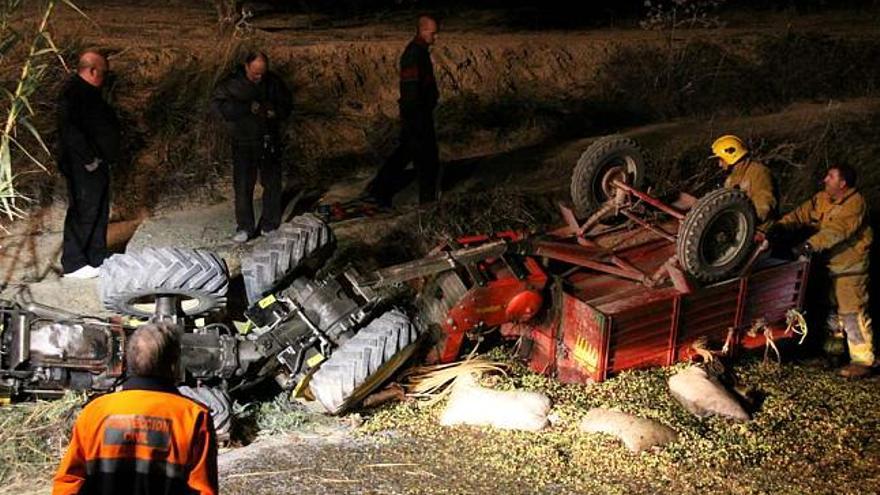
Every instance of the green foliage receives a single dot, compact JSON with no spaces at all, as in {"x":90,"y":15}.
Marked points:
{"x":809,"y":422}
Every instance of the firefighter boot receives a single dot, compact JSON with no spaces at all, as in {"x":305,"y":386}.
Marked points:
{"x":859,"y":336}
{"x":834,"y":345}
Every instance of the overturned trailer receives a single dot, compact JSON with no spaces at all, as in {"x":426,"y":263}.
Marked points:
{"x":603,"y":324}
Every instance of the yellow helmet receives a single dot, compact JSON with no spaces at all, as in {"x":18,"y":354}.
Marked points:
{"x":730,"y":149}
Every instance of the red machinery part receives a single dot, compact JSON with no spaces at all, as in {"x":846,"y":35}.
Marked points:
{"x":503,"y":299}
{"x":523,"y":306}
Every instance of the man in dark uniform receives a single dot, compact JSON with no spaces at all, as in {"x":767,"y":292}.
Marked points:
{"x":254,"y":102}
{"x":89,"y":144}
{"x":418,"y":141}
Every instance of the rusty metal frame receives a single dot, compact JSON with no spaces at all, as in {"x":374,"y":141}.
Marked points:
{"x":586,"y":257}
{"x":651,"y":200}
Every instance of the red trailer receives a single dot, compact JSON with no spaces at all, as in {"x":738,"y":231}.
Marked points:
{"x":634,"y":285}
{"x":601,"y":324}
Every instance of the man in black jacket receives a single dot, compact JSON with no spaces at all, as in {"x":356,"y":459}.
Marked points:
{"x":418,"y":141}
{"x":254,"y":102}
{"x":89,"y":144}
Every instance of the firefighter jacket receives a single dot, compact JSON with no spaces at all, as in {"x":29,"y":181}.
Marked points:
{"x":145,"y":439}
{"x":234,"y":97}
{"x":754,"y":179}
{"x":418,"y":88}
{"x":842,"y":230}
{"x":87,"y":127}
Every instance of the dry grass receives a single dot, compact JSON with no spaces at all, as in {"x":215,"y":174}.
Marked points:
{"x":710,"y":79}
{"x":434,"y":383}
{"x":33,"y":437}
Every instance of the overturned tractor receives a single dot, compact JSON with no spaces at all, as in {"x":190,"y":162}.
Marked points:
{"x":632,"y":285}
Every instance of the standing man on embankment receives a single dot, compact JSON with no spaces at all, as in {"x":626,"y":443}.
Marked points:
{"x":254,"y":102}
{"x":88,"y":131}
{"x":418,"y":140}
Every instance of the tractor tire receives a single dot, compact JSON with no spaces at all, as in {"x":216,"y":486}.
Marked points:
{"x":131,"y":282}
{"x":218,"y":401}
{"x":608,"y":157}
{"x":440,"y":294}
{"x":716,"y":236}
{"x":276,"y":256}
{"x":364,"y":362}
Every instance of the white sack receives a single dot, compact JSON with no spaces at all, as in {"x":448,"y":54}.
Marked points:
{"x":702,"y":395}
{"x":636,"y":433}
{"x":471,"y":404}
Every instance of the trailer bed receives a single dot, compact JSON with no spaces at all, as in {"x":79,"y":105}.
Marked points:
{"x":606,"y":324}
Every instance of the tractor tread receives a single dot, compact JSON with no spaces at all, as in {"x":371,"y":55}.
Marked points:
{"x":193,"y":273}
{"x":690,"y":233}
{"x":278,"y":254}
{"x":363,"y":362}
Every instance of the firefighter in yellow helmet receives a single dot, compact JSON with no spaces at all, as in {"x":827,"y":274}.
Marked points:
{"x":839,"y":216}
{"x":746,"y":174}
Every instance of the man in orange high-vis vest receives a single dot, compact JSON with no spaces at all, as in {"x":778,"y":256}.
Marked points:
{"x":146,"y":438}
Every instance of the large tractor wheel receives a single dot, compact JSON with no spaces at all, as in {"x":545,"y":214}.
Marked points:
{"x":608,"y":158}
{"x":717,"y":235}
{"x":131,"y":282}
{"x":304,"y":239}
{"x":220,"y":404}
{"x":364,"y":362}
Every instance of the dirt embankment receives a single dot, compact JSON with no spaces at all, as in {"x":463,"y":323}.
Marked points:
{"x":501,"y":92}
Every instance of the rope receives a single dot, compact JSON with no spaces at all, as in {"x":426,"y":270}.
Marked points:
{"x":796,"y":324}
{"x":769,"y":343}
{"x":728,"y":341}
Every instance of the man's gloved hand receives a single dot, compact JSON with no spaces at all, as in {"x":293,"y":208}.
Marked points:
{"x":93,"y":165}
{"x":803,"y":250}
{"x":256,"y":107}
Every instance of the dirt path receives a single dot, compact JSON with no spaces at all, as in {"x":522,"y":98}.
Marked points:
{"x":345,"y":463}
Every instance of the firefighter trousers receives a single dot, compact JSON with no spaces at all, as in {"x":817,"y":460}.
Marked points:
{"x":849,"y":317}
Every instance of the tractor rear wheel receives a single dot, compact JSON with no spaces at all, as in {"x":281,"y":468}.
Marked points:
{"x":716,"y":236}
{"x":361,"y":364}
{"x":131,"y":283}
{"x":218,"y":401}
{"x":609,"y":158}
{"x":278,"y":254}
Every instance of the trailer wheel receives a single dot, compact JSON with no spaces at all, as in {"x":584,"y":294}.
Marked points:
{"x":218,"y":401}
{"x":131,"y":282}
{"x":364,"y":362}
{"x":304,"y":239}
{"x":608,"y":158}
{"x":717,"y":234}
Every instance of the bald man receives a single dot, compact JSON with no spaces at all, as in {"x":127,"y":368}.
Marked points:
{"x":418,"y":141}
{"x":89,"y":137}
{"x":254,"y":102}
